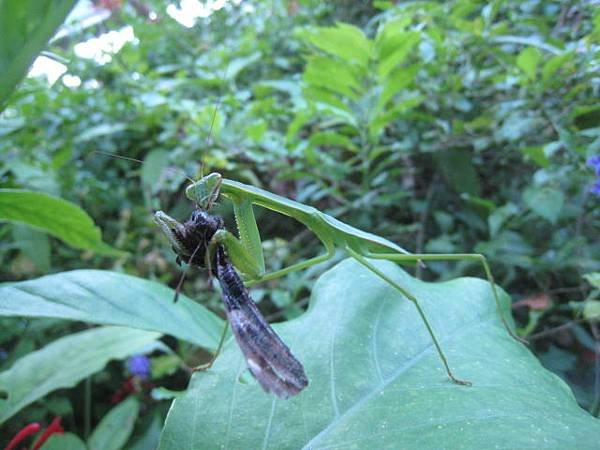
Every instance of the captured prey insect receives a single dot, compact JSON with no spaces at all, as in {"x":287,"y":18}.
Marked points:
{"x":246,"y":253}
{"x":269,"y":359}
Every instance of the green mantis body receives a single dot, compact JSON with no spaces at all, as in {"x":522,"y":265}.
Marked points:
{"x":246,"y":251}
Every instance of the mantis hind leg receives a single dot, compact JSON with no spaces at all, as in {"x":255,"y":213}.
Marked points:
{"x":455,"y":257}
{"x":361,"y":259}
{"x":208,"y":365}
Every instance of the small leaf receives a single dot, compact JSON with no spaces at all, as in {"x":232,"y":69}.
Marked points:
{"x":101,"y":131}
{"x":395,"y":83}
{"x":55,"y":216}
{"x":66,"y":441}
{"x":457,"y":167}
{"x":528,"y":61}
{"x":553,"y":64}
{"x":237,"y":65}
{"x":402,"y":45}
{"x":593,"y":278}
{"x":344,"y":41}
{"x":153,"y":166}
{"x":116,"y":426}
{"x":65,"y":362}
{"x":545,"y":201}
{"x":537,"y":154}
{"x":499,"y":217}
{"x":591,"y":310}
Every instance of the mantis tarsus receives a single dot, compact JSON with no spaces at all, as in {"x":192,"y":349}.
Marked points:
{"x":247,"y":256}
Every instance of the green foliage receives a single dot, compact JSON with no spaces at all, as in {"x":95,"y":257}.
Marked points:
{"x":25,"y":26}
{"x":444,"y":126}
{"x":55,"y":216}
{"x":114,"y":429}
{"x":80,"y":355}
{"x":376,"y":381}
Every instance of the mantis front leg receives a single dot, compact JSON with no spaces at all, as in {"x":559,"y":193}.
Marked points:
{"x":246,"y":252}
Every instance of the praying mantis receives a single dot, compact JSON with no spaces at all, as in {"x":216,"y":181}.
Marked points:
{"x":246,"y":252}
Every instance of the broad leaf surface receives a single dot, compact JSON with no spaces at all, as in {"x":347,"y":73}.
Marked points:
{"x":60,"y":218}
{"x":65,"y":362}
{"x":111,"y":298}
{"x":377,"y":382}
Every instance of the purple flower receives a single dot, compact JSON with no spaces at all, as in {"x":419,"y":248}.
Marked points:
{"x":594,"y":162}
{"x":595,"y":189}
{"x":139,"y":365}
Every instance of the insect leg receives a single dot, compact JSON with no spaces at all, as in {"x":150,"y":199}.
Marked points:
{"x":413,"y":299}
{"x":455,"y":257}
{"x":209,"y":364}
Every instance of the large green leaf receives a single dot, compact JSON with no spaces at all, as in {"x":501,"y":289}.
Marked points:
{"x":65,"y":362}
{"x":377,"y":382}
{"x":111,"y":298}
{"x":25,"y":27}
{"x":55,"y":216}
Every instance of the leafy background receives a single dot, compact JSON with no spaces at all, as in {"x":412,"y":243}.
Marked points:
{"x":455,"y":127}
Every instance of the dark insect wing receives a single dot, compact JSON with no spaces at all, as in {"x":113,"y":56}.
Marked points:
{"x":268,"y":358}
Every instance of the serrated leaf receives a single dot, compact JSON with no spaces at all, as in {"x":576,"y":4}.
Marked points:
{"x":344,"y":41}
{"x":116,"y":426}
{"x":377,"y":382}
{"x":402,"y":44}
{"x":399,"y":109}
{"x":60,"y":218}
{"x":396,"y":82}
{"x":65,"y":362}
{"x":327,"y":73}
{"x":110,"y":298}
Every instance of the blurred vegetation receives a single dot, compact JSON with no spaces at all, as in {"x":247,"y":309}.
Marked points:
{"x":463,"y":126}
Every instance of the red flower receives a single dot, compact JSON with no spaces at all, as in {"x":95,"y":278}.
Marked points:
{"x":53,"y":428}
{"x":27,"y":430}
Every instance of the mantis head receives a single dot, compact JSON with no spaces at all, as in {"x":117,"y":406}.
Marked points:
{"x":205,"y":191}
